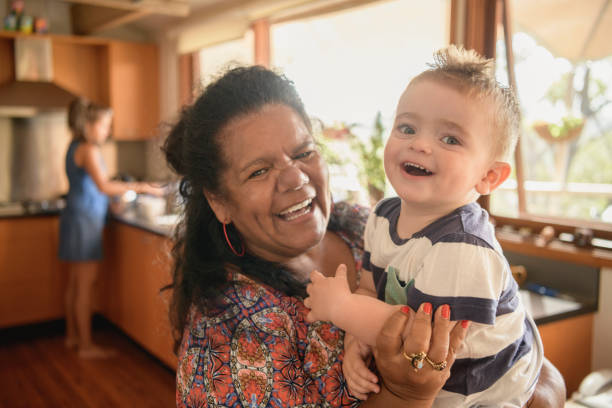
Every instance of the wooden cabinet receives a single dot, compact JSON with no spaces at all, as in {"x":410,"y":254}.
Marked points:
{"x":82,"y":68}
{"x":568,"y":344}
{"x":136,"y":267}
{"x":32,"y":280}
{"x":134,"y":89}
{"x":122,"y":75}
{"x":7,"y":65}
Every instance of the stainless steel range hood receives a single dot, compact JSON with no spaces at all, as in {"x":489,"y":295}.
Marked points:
{"x":33,"y":90}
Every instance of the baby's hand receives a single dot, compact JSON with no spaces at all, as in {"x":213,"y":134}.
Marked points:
{"x":360,"y":380}
{"x":326,"y":294}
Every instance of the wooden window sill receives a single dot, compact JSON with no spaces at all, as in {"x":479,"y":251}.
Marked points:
{"x":556,"y":250}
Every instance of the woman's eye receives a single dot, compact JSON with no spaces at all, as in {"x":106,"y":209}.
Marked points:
{"x":406,"y":129}
{"x":258,"y":173}
{"x":304,"y":155}
{"x":450,"y":140}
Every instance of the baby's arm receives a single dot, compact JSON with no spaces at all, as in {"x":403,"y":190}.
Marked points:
{"x":360,"y":314}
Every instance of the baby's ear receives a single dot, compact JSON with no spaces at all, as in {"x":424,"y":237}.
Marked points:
{"x":497,"y":174}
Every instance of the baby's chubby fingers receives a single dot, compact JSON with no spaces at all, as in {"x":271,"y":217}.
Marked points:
{"x":316,"y":276}
{"x":341,"y":271}
{"x":310,"y":318}
{"x":307,"y":303}
{"x":360,"y":380}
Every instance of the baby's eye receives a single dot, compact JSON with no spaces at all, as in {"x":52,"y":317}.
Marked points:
{"x":258,"y":173}
{"x":451,"y":140}
{"x":304,"y":155}
{"x":406,"y":129}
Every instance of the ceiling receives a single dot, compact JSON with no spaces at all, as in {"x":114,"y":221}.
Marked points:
{"x":91,"y":17}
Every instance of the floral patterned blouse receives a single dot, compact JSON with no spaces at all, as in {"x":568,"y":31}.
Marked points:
{"x":257,"y":350}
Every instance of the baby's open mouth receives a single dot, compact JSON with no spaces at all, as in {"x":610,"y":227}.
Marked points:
{"x":296,"y":210}
{"x":416,"y":169}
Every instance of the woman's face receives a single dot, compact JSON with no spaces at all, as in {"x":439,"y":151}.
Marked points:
{"x":276,"y":184}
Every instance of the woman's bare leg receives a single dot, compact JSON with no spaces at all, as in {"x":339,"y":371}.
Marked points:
{"x":72,"y":339}
{"x":85,"y":278}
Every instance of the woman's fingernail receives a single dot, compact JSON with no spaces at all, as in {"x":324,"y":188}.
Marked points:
{"x":465,"y":323}
{"x":405,"y":310}
{"x":427,"y":308}
{"x":445,"y":311}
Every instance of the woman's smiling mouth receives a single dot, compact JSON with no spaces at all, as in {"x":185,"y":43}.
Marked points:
{"x":296,"y":210}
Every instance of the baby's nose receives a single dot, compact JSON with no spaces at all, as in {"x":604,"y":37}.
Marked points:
{"x":421,"y":143}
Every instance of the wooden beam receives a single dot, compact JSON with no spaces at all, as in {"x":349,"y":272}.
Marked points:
{"x":314,"y":8}
{"x":187,"y":78}
{"x":261,"y":31}
{"x":177,"y":8}
{"x":518,"y":157}
{"x":480,"y":27}
{"x":228,"y":9}
{"x":474,"y":25}
{"x":88,"y":19}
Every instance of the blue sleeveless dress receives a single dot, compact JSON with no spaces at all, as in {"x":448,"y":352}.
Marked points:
{"x":82,"y":220}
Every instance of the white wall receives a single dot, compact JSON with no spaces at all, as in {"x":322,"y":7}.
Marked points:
{"x":602,"y":331}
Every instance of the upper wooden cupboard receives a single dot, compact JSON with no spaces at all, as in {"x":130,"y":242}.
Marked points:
{"x":122,"y":75}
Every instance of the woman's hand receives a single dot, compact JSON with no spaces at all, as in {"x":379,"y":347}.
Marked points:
{"x":153,"y":189}
{"x":360,"y":380}
{"x":417,"y":387}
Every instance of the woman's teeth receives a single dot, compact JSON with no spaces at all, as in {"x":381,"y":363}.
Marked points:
{"x":297,"y":210}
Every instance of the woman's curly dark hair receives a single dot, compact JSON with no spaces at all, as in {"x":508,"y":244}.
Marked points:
{"x":193,"y":149}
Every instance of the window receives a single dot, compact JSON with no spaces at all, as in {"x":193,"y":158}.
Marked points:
{"x":350,"y":65}
{"x":213,"y":60}
{"x":563,"y":70}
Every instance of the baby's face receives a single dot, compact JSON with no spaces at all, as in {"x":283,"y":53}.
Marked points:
{"x":440,"y":147}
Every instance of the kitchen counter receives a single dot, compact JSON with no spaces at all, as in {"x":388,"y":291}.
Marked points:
{"x":31,"y":209}
{"x":546,"y":309}
{"x":543,"y":309}
{"x":161,"y":225}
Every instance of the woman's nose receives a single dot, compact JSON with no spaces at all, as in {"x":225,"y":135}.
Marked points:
{"x":292,"y":178}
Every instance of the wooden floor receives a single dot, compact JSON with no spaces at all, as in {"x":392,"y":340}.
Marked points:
{"x":37,"y":371}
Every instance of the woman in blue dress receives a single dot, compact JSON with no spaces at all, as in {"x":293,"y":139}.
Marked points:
{"x":82,"y":220}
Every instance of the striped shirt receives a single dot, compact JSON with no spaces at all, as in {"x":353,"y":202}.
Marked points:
{"x":457,"y":260}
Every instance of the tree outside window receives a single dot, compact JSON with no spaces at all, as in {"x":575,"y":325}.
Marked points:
{"x":566,"y":140}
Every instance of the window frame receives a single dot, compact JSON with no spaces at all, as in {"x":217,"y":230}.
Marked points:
{"x":474,"y":25}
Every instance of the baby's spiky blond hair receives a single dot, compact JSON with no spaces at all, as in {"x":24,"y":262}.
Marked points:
{"x":468,"y":72}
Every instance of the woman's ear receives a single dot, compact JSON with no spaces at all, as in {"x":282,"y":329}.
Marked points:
{"x":497,"y":174}
{"x":219,"y":207}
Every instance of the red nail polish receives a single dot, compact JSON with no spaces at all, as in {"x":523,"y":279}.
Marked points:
{"x":405,"y":310}
{"x":427,"y":308}
{"x":464,"y":323}
{"x":445,"y":311}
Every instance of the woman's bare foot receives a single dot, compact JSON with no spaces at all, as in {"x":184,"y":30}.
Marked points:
{"x":96,"y":352}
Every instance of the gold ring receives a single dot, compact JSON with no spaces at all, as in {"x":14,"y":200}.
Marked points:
{"x":416,"y":359}
{"x":437,"y":366}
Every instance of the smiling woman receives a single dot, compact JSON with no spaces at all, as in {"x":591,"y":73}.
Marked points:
{"x":277,"y":194}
